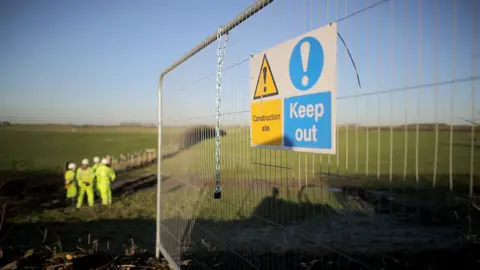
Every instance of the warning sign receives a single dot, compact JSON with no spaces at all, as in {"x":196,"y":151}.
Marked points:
{"x":297,"y":110}
{"x":266,"y":86}
{"x":267,"y":122}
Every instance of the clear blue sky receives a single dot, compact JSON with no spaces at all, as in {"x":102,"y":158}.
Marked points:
{"x":98,"y":61}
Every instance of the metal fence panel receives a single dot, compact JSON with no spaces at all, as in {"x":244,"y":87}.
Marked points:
{"x":405,"y":168}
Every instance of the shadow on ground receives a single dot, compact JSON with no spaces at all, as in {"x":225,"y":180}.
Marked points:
{"x":30,"y":189}
{"x":104,"y":236}
{"x":281,"y":234}
{"x":75,"y":233}
{"x":423,"y":203}
{"x":366,"y":228}
{"x":113,"y":236}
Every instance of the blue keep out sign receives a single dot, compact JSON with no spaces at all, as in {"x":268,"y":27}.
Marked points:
{"x":306,"y":63}
{"x":308,"y":121}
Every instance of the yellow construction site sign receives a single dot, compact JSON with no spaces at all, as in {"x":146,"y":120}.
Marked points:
{"x":266,"y":86}
{"x":266,"y":123}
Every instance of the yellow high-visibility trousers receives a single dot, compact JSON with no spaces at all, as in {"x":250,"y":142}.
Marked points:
{"x":105,"y":193}
{"x":72,"y":191}
{"x":89,"y":191}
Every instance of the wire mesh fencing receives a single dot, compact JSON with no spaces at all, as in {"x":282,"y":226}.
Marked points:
{"x":404,"y":178}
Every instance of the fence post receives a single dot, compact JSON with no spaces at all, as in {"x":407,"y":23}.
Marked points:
{"x":158,"y":244}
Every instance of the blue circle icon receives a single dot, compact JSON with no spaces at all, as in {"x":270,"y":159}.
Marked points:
{"x":306,"y":63}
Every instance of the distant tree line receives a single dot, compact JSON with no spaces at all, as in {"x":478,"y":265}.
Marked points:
{"x":5,"y":123}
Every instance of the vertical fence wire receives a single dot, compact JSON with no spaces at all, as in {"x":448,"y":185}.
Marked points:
{"x":435,"y":98}
{"x":379,"y":104}
{"x":328,"y":20}
{"x":452,"y":95}
{"x":346,"y":124}
{"x":367,"y":122}
{"x":337,"y":16}
{"x":420,"y":48}
{"x":390,"y":96}
{"x":405,"y":84}
{"x":472,"y":135}
{"x":357,"y":100}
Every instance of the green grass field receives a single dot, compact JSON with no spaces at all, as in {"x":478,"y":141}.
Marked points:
{"x":369,"y":157}
{"x":47,"y":147}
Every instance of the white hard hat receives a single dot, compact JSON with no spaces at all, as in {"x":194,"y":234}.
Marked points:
{"x":84,"y":161}
{"x":96,"y":159}
{"x":72,"y":166}
{"x":104,"y":161}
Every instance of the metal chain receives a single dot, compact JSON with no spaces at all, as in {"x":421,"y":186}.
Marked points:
{"x":222,"y":48}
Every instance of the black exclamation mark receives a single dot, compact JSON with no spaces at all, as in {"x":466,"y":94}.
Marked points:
{"x":265,"y":79}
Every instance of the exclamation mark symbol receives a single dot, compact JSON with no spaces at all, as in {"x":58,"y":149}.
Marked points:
{"x":305,"y":52}
{"x":265,"y":79}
